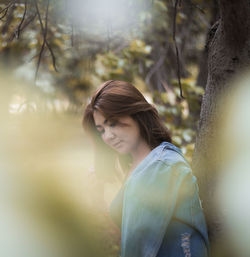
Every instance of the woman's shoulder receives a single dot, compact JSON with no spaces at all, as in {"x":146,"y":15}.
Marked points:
{"x":163,"y":159}
{"x":170,"y":154}
{"x":170,"y":160}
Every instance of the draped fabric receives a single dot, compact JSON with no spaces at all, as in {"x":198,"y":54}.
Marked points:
{"x":159,"y":210}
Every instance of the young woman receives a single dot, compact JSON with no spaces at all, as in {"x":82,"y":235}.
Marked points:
{"x":158,"y":207}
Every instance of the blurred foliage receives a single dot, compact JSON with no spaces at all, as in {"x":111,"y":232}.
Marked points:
{"x":137,"y":43}
{"x":231,"y":150}
{"x":92,"y":42}
{"x":181,"y":115}
{"x":46,"y":208}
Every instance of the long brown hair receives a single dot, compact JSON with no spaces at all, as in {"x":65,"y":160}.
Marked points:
{"x":119,"y":98}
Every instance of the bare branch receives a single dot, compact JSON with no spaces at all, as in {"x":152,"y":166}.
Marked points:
{"x":39,"y":59}
{"x":72,"y":35}
{"x":108,"y":36}
{"x":10,"y":9}
{"x":25,"y":24}
{"x":46,"y":41}
{"x":198,"y":7}
{"x":39,"y":16}
{"x":52,"y":55}
{"x":157,"y":65}
{"x":28,"y":21}
{"x":44,"y":32}
{"x":21,"y":23}
{"x":6,"y":9}
{"x":120,"y":47}
{"x":4,"y":14}
{"x":33,"y":57}
{"x":176,"y":48}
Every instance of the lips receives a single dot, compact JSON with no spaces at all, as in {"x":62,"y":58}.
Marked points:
{"x":117,"y":144}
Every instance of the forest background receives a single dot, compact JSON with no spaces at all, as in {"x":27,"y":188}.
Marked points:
{"x":53,"y":55}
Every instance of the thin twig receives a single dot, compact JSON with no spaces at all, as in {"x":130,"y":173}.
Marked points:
{"x":21,"y":23}
{"x":46,"y":41}
{"x":33,"y":57}
{"x":120,"y":47}
{"x":4,"y":14}
{"x":39,"y":59}
{"x":52,"y":55}
{"x":9,"y":15}
{"x":46,"y":20}
{"x":6,"y":9}
{"x":44,"y":32}
{"x":108,"y":35}
{"x":198,"y":7}
{"x":176,"y":48}
{"x":25,"y":24}
{"x":157,"y":65}
{"x":28,"y":21}
{"x":72,"y":38}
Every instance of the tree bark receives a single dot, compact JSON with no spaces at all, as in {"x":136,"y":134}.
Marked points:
{"x":228,"y":54}
{"x":203,"y":69}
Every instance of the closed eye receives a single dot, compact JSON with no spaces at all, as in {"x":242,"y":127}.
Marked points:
{"x":113,"y":123}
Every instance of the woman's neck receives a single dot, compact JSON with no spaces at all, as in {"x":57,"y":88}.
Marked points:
{"x":139,"y":154}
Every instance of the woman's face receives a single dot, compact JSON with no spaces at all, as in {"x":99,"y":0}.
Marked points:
{"x":122,"y":134}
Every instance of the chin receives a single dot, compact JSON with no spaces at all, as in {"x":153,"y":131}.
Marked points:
{"x":122,"y":150}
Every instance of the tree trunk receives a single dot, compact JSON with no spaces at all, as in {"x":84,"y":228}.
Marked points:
{"x":228,"y":53}
{"x":203,"y":72}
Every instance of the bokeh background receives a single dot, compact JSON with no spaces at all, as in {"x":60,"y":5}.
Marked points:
{"x":53,"y":56}
{"x":63,"y":50}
